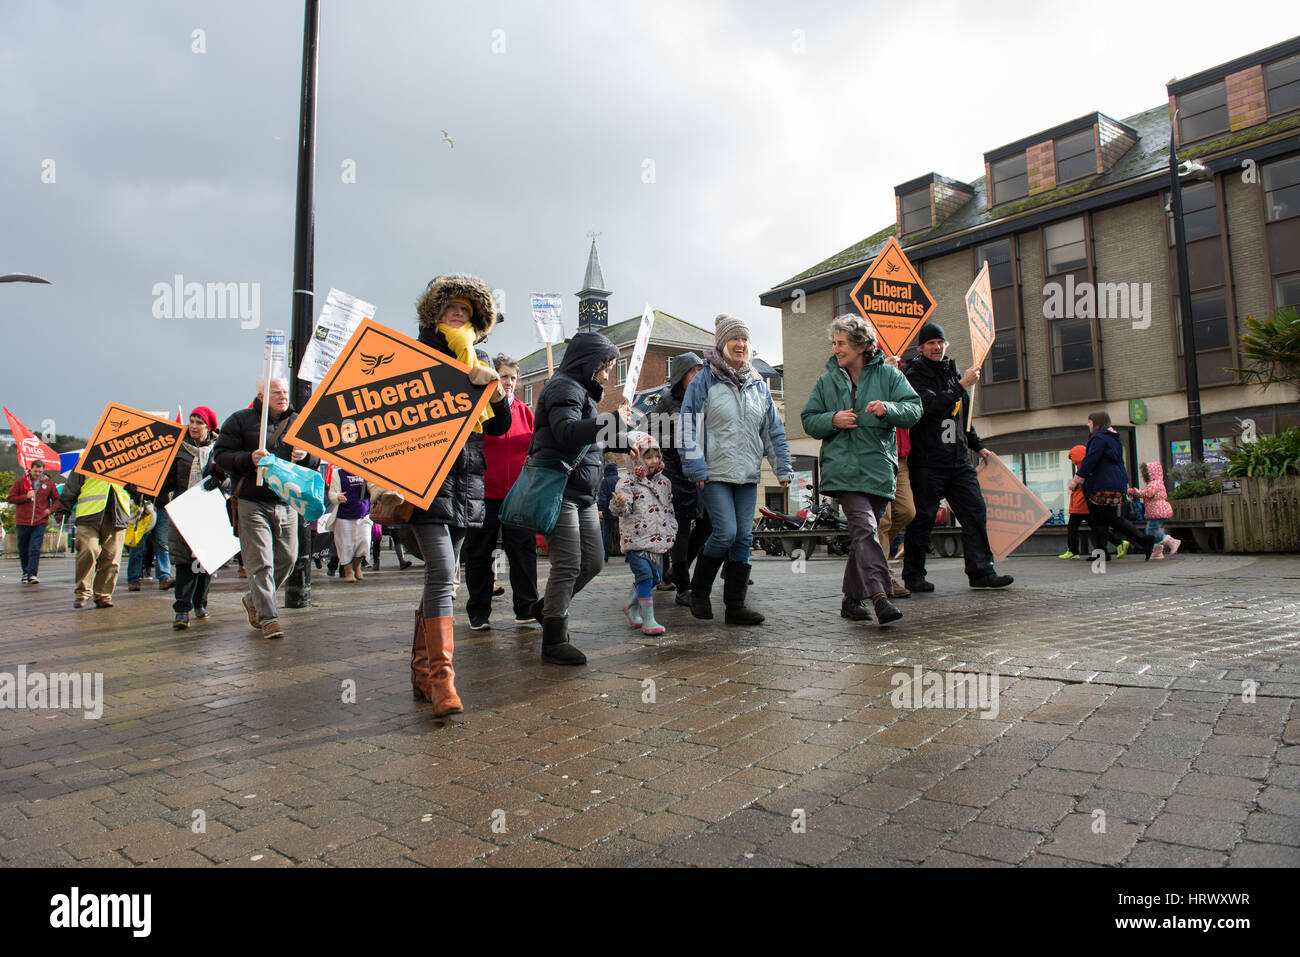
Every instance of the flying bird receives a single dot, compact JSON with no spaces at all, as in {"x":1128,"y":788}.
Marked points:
{"x":372,"y":363}
{"x":117,"y":425}
{"x":891,"y":267}
{"x":447,"y":138}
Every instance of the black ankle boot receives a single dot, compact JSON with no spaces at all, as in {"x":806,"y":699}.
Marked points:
{"x":682,"y":578}
{"x":706,"y":570}
{"x":735,"y":585}
{"x":556,"y":647}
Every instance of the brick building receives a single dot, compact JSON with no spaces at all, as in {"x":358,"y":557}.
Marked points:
{"x":1074,"y":225}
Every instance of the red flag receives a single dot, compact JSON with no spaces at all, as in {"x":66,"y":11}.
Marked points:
{"x":30,"y":448}
{"x":180,"y":409}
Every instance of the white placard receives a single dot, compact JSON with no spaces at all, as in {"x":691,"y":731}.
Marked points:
{"x":275,"y":355}
{"x":200,"y":518}
{"x":638,"y":354}
{"x":338,"y":319}
{"x":548,"y":308}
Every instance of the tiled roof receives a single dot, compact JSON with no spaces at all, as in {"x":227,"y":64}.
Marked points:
{"x":1150,"y":155}
{"x":668,"y":330}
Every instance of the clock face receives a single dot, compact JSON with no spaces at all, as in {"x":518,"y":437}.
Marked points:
{"x":594,"y":312}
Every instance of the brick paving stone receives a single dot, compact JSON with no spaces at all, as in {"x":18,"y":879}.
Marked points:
{"x":708,"y":850}
{"x":975,"y":788}
{"x":450,"y":850}
{"x":1214,"y":835}
{"x":881,"y":797}
{"x":582,"y":829}
{"x":527,"y":852}
{"x":1219,"y":786}
{"x":1250,"y":854}
{"x":1075,"y":838}
{"x":717,"y":801}
{"x":811,"y":848}
{"x":1212,"y":808}
{"x":1028,"y":808}
{"x":663,"y":828}
{"x":1072,"y":755}
{"x":903,"y":843}
{"x":1273,"y":829}
{"x":1232,"y":765}
{"x":1151,"y":853}
{"x":993,"y":842}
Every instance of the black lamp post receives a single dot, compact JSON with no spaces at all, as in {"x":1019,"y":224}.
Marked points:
{"x":1194,"y":431}
{"x":297,"y":590}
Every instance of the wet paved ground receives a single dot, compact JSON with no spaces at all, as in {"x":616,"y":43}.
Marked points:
{"x":1125,"y":729}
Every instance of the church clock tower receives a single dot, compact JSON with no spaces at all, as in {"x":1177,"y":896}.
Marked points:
{"x":593,"y":305}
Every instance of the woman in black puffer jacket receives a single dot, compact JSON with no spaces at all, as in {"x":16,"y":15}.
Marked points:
{"x":450,"y":304}
{"x":567,"y":420}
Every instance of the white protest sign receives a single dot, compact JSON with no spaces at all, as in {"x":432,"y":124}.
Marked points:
{"x":338,"y":319}
{"x":275,"y":355}
{"x":638,"y":354}
{"x":200,"y":518}
{"x":547,"y":310}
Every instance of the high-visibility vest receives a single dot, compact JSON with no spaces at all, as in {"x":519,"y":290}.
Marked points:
{"x":94,"y":497}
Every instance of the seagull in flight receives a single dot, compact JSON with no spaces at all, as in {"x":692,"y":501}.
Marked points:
{"x":447,"y":139}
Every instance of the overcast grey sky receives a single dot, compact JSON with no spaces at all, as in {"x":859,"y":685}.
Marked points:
{"x":777,"y":132}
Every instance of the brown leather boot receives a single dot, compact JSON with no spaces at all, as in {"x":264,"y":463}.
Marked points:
{"x":356,"y":569}
{"x":419,"y":659}
{"x":900,"y":591}
{"x":442,"y":690}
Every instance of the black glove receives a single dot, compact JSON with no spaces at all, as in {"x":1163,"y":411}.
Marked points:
{"x":210,"y":482}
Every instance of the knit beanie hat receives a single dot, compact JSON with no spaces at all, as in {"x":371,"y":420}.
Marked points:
{"x":641,"y":443}
{"x":931,"y":330}
{"x":727,"y":328}
{"x":207,"y":415}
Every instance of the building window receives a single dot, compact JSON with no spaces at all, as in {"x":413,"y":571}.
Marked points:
{"x":1076,"y":156}
{"x":621,"y":375}
{"x":776,"y":385}
{"x":1200,"y":212}
{"x":1065,"y":245}
{"x":1282,"y":80}
{"x":1286,"y":290}
{"x":916,"y":211}
{"x":1203,"y":112}
{"x":1010,"y":178}
{"x":844,"y":301}
{"x":1003,"y":364}
{"x":1282,"y":189}
{"x":528,"y":395}
{"x":1071,"y":345}
{"x":998,"y":256}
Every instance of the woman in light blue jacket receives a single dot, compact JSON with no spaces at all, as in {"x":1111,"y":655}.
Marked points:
{"x":728,"y":423}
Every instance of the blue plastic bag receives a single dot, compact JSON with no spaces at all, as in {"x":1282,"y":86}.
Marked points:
{"x":303,"y":490}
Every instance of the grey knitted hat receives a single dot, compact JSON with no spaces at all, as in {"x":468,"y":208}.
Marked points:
{"x":728,"y":328}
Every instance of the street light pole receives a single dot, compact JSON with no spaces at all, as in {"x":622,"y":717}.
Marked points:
{"x":297,"y":590}
{"x":1194,"y":432}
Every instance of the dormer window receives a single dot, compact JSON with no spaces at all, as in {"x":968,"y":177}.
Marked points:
{"x":916,"y":211}
{"x":1010,"y":178}
{"x":1282,"y":80}
{"x":1203,"y":112}
{"x":1076,"y":156}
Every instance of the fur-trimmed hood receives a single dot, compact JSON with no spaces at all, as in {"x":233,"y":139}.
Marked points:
{"x":457,"y":285}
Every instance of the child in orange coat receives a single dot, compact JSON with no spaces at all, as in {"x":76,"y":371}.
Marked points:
{"x":1079,"y":514}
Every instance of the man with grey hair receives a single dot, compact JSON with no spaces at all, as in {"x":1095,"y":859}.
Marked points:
{"x":268,"y":528}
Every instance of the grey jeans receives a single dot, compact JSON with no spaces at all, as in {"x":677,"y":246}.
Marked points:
{"x":866,"y":573}
{"x":440,"y":548}
{"x":577,"y":553}
{"x":268,"y":541}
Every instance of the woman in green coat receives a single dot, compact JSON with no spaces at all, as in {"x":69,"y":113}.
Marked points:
{"x":854,"y":409}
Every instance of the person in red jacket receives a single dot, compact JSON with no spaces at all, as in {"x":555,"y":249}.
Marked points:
{"x":504,"y":456}
{"x":36,"y":496}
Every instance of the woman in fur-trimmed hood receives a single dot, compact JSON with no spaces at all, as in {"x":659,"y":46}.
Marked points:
{"x":454,"y":313}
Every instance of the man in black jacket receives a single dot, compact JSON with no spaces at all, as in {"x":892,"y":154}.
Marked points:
{"x":268,"y":528}
{"x":939,"y":465}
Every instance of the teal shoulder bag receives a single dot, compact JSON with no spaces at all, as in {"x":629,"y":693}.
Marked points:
{"x":534,"y":501}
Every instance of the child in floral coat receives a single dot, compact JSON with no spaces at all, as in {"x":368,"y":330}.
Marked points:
{"x":643,"y":502}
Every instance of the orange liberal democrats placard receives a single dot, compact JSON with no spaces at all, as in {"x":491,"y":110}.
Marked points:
{"x":132,"y":448}
{"x":891,"y":296}
{"x":979,"y":312}
{"x":392,"y":410}
{"x":1014,"y":512}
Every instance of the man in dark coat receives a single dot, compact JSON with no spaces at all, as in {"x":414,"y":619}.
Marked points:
{"x":693,"y":527}
{"x":939,"y":465}
{"x":268,"y":528}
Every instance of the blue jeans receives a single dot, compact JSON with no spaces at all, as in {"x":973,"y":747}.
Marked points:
{"x":1156,"y":528}
{"x":646,"y":571}
{"x":731,"y":510}
{"x":29,"y":546}
{"x":161,"y":553}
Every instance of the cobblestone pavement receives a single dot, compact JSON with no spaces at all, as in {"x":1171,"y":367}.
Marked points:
{"x":1125,"y":729}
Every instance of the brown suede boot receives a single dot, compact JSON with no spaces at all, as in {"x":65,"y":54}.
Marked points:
{"x":900,"y":591}
{"x":356,"y":569}
{"x":419,"y":659}
{"x":442,"y":690}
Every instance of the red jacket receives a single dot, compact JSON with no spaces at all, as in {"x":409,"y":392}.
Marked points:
{"x":1078,"y":501}
{"x":29,"y":512}
{"x":505,"y":454}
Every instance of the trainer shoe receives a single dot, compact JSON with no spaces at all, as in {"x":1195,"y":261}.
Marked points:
{"x":33,"y":580}
{"x":253,"y":621}
{"x":201,"y":613}
{"x":498,"y":591}
{"x":524,"y":620}
{"x":272,"y":629}
{"x":479,"y":624}
{"x":24,"y":578}
{"x":181,"y":621}
{"x":132,"y":586}
{"x":1123,"y":549}
{"x":1171,"y":548}
{"x":1067,"y":555}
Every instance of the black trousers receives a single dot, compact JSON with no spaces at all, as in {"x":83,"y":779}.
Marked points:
{"x":1108,"y":522}
{"x":962,"y":490}
{"x":1072,"y":533}
{"x":693,"y":530}
{"x":521,"y":552}
{"x":191,"y":588}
